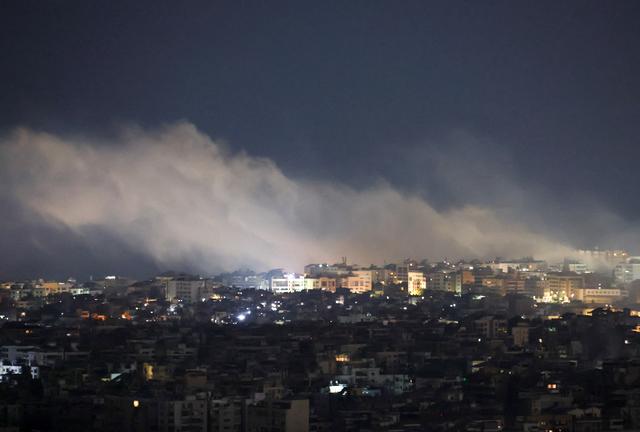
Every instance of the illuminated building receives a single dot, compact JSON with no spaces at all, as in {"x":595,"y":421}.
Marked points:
{"x":328,"y":284}
{"x":403,"y":269}
{"x":445,"y":281}
{"x":51,"y":288}
{"x":603,"y":258}
{"x":524,"y":264}
{"x":575,"y":266}
{"x":358,"y":281}
{"x":596,"y":295}
{"x":185,"y":290}
{"x":628,"y":271}
{"x":559,"y":286}
{"x":467,"y":277}
{"x":311,"y":283}
{"x":290,"y":282}
{"x":7,"y":371}
{"x":417,"y":283}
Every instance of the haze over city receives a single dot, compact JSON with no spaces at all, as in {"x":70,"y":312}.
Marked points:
{"x":319,"y":216}
{"x":274,"y":135}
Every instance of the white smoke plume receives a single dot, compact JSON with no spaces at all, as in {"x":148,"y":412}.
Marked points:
{"x":178,"y":196}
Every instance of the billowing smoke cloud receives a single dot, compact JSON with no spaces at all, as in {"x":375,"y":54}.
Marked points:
{"x":175,"y":197}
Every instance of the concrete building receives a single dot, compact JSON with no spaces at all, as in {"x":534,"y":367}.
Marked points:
{"x":559,"y":286}
{"x":226,"y":415}
{"x":403,"y":269}
{"x":596,"y":295}
{"x":278,"y":416}
{"x":490,"y":326}
{"x":243,"y":281}
{"x":445,"y":281}
{"x":358,"y":281}
{"x":51,"y":288}
{"x":575,"y":266}
{"x":525,"y":264}
{"x":602,"y":259}
{"x":189,"y":414}
{"x":317,"y":270}
{"x":514,"y":284}
{"x":520,"y":334}
{"x":328,"y":283}
{"x":628,"y":271}
{"x":417,"y":283}
{"x":187,"y":291}
{"x":290,"y":282}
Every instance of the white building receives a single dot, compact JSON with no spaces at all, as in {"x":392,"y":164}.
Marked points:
{"x":290,"y":282}
{"x":372,"y":376}
{"x":576,"y":267}
{"x":628,"y":271}
{"x":7,"y":371}
{"x":417,"y":283}
{"x":18,"y":354}
{"x":311,"y":283}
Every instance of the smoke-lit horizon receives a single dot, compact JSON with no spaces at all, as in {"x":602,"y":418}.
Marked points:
{"x":172,"y":197}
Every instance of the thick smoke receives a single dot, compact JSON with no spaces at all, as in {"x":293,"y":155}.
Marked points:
{"x":175,"y":196}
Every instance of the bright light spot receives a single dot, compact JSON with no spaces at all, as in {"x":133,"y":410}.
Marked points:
{"x":136,"y":403}
{"x":336,"y":388}
{"x":241,"y":317}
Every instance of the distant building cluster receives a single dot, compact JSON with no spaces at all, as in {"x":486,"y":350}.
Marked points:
{"x":572,"y":279}
{"x":501,"y":345}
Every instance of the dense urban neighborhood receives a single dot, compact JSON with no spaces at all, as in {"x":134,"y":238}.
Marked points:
{"x":500,"y":345}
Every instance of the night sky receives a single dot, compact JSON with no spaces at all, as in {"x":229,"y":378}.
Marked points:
{"x":528,"y":110}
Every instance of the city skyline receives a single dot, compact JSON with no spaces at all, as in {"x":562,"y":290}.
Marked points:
{"x":319,"y":216}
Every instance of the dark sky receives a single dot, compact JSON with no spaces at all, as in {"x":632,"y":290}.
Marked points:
{"x":348,"y":91}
